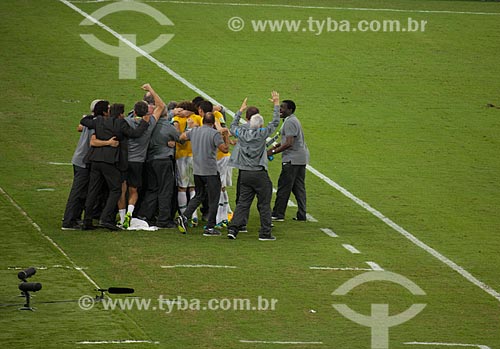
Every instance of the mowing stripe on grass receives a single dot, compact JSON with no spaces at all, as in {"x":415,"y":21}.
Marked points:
{"x":198,"y":266}
{"x":324,"y":7}
{"x":37,"y":227}
{"x":278,"y":342}
{"x":449,"y":344}
{"x":351,"y":248}
{"x":468,"y":276}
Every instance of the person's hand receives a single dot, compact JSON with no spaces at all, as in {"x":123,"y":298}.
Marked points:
{"x":224,"y":131}
{"x":171,"y":144}
{"x":113,"y":142}
{"x":146,"y":87}
{"x":244,"y":105}
{"x":146,"y":117}
{"x":177,"y":111}
{"x":217,"y":108}
{"x":275,"y":98}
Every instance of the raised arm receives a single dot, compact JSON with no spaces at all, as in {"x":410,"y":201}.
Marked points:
{"x":237,"y":116}
{"x":159,"y":104}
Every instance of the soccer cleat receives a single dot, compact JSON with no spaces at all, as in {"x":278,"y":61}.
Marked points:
{"x":277,"y":219}
{"x":193,"y":222}
{"x":126,"y":221}
{"x":181,"y":222}
{"x":118,"y":219}
{"x":211,"y":232}
{"x":267,"y":237}
{"x":231,"y":235}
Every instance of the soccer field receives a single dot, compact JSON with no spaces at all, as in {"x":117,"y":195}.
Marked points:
{"x":403,"y":184}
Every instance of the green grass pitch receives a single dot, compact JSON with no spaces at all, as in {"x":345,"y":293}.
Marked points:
{"x":397,"y":119}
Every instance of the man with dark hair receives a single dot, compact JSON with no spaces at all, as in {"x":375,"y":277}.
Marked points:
{"x":138,"y":147}
{"x":105,"y":162}
{"x":205,"y":141}
{"x":295,"y":157}
{"x":253,"y":179}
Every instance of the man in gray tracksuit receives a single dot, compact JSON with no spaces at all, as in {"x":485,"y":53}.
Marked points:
{"x":251,"y":160}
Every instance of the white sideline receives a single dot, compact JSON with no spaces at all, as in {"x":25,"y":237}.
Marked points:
{"x":360,"y":202}
{"x":329,"y":232}
{"x":449,"y":344}
{"x":373,"y":267}
{"x":351,"y":248}
{"x":37,"y":227}
{"x":198,"y":266}
{"x":324,"y":7}
{"x":126,"y":341}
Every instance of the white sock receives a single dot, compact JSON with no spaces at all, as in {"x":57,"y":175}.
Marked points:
{"x":226,"y":202}
{"x":122,"y":212}
{"x":130,"y":209}
{"x":192,"y":193}
{"x":182,"y":201}
{"x":220,"y":209}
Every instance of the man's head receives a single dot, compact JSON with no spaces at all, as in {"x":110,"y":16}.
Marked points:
{"x":209,"y":119}
{"x":117,"y":110}
{"x":251,"y":111}
{"x":188,"y":105}
{"x":205,"y":107}
{"x":92,"y":105}
{"x":141,"y":108}
{"x":256,"y":121}
{"x":101,"y":108}
{"x":287,"y":108}
{"x":197,"y":100}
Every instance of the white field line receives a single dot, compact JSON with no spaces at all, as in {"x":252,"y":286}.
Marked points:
{"x":198,"y":266}
{"x":449,"y":344}
{"x":468,"y":276}
{"x":341,"y":269}
{"x":37,"y":227}
{"x":363,"y":204}
{"x":126,"y":341}
{"x":375,"y":266}
{"x":60,"y":163}
{"x":278,"y":342}
{"x":45,"y":189}
{"x":351,"y":248}
{"x":321,"y":7}
{"x":43,"y":267}
{"x":329,"y":232}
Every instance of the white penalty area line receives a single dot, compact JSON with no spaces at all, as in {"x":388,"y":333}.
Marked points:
{"x":335,"y":8}
{"x":373,"y":267}
{"x":351,"y":248}
{"x":198,"y":266}
{"x":278,"y":342}
{"x":37,"y":227}
{"x":449,"y":344}
{"x":468,"y":276}
{"x":126,"y":341}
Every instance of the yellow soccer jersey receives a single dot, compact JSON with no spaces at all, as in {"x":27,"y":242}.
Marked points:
{"x":185,"y":150}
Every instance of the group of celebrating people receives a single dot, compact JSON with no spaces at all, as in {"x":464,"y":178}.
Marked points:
{"x":161,"y":161}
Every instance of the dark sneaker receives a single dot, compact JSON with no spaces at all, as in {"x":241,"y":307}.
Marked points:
{"x":211,"y":232}
{"x":267,"y":237}
{"x":243,"y":229}
{"x":181,"y":222}
{"x":299,"y":219}
{"x":277,"y":219}
{"x":231,"y":234}
{"x":88,"y":226}
{"x":71,"y":226}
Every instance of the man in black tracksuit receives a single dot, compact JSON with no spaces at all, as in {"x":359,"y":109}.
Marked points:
{"x":106,"y":160}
